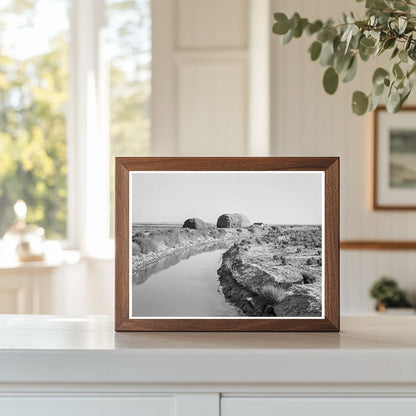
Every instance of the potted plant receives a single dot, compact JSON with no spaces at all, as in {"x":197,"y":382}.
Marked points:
{"x":387,"y":294}
{"x":389,"y":27}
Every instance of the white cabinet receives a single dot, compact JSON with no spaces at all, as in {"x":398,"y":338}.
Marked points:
{"x":80,"y":366}
{"x":88,"y":406}
{"x":271,"y":406}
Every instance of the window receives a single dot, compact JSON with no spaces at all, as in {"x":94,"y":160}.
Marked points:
{"x":75,"y":87}
{"x":129,"y":43}
{"x":33,"y":101}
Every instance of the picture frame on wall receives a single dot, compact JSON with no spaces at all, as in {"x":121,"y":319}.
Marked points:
{"x":227,"y":244}
{"x":394,"y":159}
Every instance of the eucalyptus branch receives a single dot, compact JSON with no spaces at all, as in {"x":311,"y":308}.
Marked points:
{"x":389,"y":25}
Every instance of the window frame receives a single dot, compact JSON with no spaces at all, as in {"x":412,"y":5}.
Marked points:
{"x":87,"y":133}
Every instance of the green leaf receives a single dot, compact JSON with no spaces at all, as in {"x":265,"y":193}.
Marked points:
{"x":332,"y":33}
{"x":336,"y":42}
{"x":294,"y":20}
{"x":378,"y":89}
{"x":355,"y":41}
{"x":330,"y":80}
{"x":395,"y":52}
{"x":376,"y":4}
{"x":298,"y":30}
{"x":374,"y":102}
{"x":359,"y":103}
{"x":367,"y":42}
{"x":379,"y":75}
{"x":322,"y":36}
{"x":403,"y":56}
{"x":281,"y":27}
{"x":389,"y":43}
{"x":411,"y":77}
{"x":351,"y":71}
{"x":412,"y":70}
{"x":365,"y":52}
{"x":351,"y":32}
{"x":350,"y":18}
{"x":408,"y":42}
{"x":402,"y":24}
{"x":327,"y":53}
{"x":314,"y":27}
{"x":412,"y":52}
{"x":400,"y":5}
{"x":397,"y":71}
{"x":288,"y":37}
{"x":393,"y":101}
{"x":403,"y":96}
{"x":315,"y":50}
{"x":341,"y":61}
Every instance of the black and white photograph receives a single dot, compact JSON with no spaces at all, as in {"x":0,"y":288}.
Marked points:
{"x":226,"y":244}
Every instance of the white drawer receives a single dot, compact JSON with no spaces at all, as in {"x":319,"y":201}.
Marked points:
{"x":87,"y":406}
{"x":274,"y":406}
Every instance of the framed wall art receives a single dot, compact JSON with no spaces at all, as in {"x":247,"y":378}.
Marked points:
{"x":394,"y":159}
{"x":227,"y":244}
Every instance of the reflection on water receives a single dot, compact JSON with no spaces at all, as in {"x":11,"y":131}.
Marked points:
{"x":143,"y":274}
{"x":182,"y":285}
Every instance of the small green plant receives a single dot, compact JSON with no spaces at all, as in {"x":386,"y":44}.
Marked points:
{"x":389,"y":26}
{"x":388,"y":294}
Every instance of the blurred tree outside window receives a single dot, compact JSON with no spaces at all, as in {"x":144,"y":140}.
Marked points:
{"x":34,"y":94}
{"x":129,"y":51}
{"x":33,"y":101}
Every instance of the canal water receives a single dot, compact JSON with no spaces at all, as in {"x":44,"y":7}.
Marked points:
{"x":189,"y":288}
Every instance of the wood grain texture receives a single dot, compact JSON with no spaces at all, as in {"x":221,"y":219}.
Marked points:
{"x":378,"y":245}
{"x":330,"y":165}
{"x":332,"y":226}
{"x":376,"y":204}
{"x":121,"y":244}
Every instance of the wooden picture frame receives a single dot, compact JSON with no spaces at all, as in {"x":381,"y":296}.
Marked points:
{"x":394,"y":184}
{"x":133,"y":170}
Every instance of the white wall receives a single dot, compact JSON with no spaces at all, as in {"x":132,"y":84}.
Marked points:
{"x":308,"y":122}
{"x":202,"y":81}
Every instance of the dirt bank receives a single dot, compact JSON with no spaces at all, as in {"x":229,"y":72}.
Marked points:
{"x":276,"y":274}
{"x":148,"y":247}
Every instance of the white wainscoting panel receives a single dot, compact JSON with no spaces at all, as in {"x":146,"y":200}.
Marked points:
{"x":87,"y":406}
{"x":190,"y":404}
{"x":316,"y":407}
{"x":207,"y":100}
{"x":212,"y":24}
{"x":212,"y":107}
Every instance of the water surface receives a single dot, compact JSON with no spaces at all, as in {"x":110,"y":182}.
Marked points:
{"x":188,"y":288}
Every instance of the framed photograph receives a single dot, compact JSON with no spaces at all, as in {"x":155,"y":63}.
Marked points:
{"x":227,"y":244}
{"x":394,"y":180}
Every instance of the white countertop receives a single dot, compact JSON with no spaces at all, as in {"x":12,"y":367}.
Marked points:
{"x":53,"y":349}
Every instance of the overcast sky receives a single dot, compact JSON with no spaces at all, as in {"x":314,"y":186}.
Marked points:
{"x":269,"y":197}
